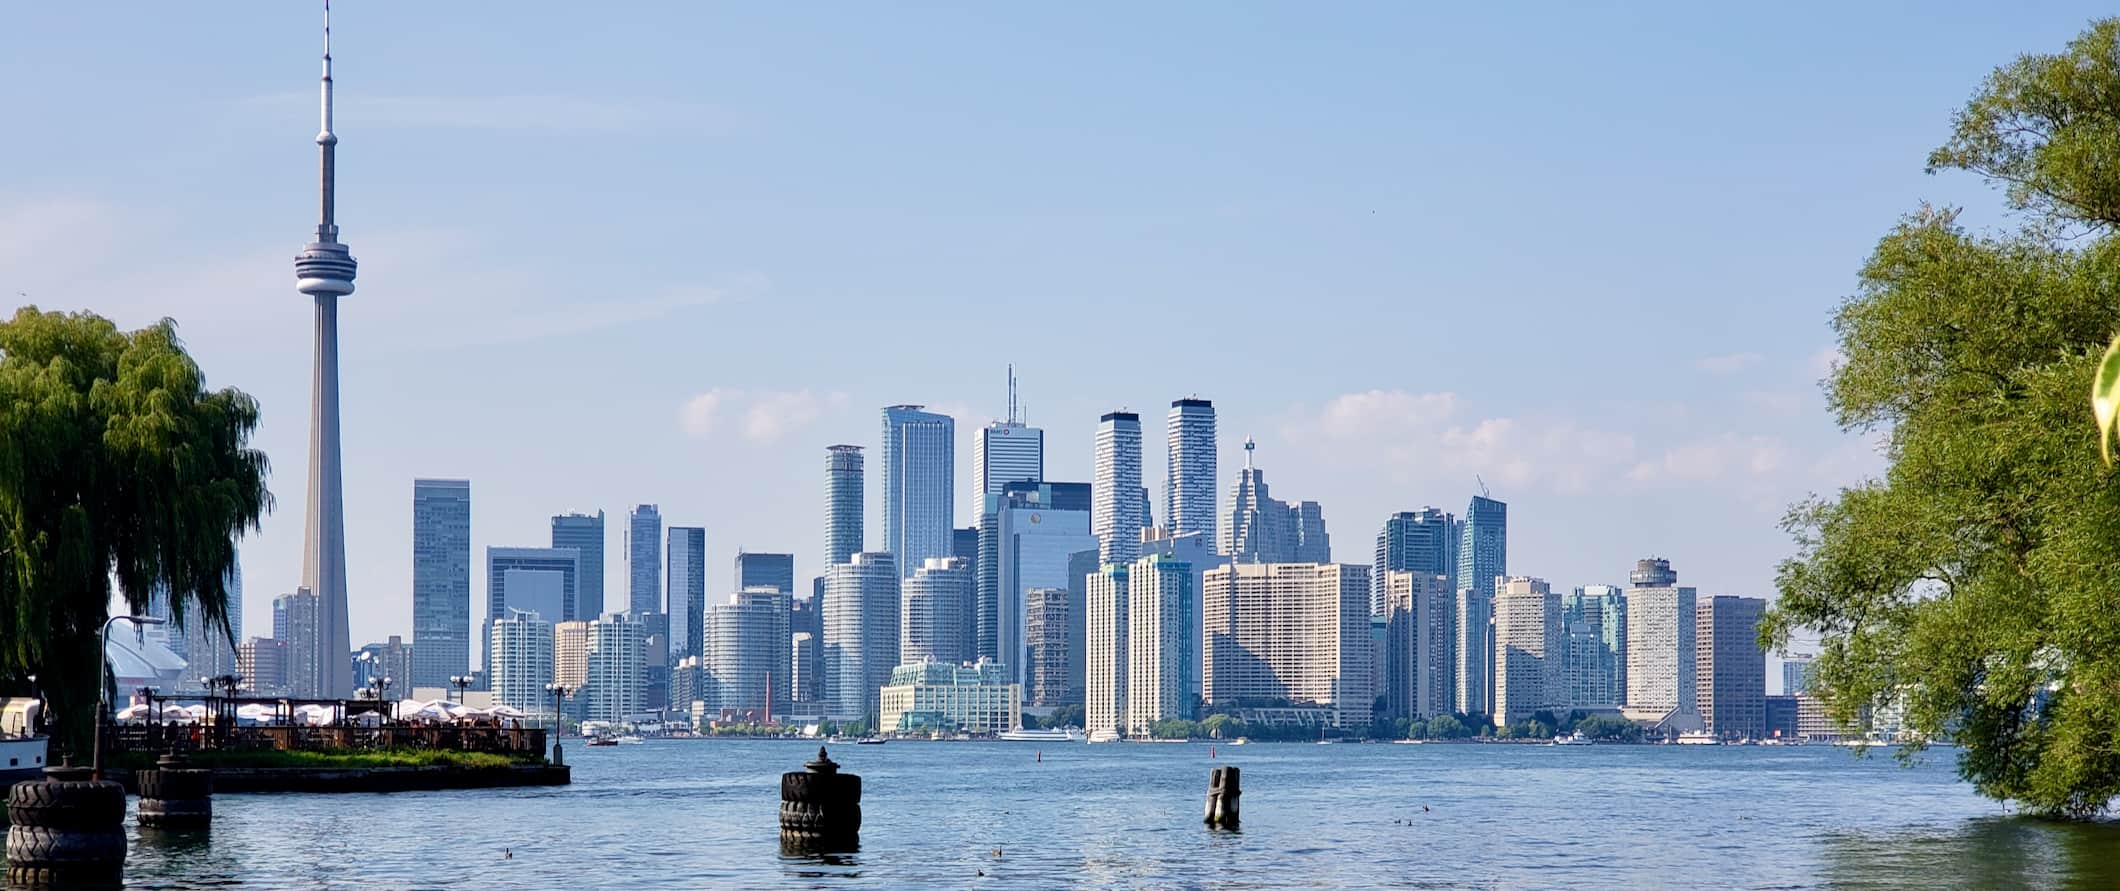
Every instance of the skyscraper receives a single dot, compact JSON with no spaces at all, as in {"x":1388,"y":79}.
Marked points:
{"x":308,"y":655}
{"x":540,"y":580}
{"x":1160,"y":623}
{"x":441,"y":582}
{"x":776,"y":571}
{"x":1115,"y":515}
{"x":1599,"y":673}
{"x":1472,"y":651}
{"x":749,"y":654}
{"x":860,"y":632}
{"x":931,"y":619}
{"x":685,"y":590}
{"x":1046,"y":619}
{"x":1661,"y":652}
{"x":1036,"y":531}
{"x":1730,"y":668}
{"x":1295,"y":631}
{"x":644,"y":561}
{"x":1417,"y":657}
{"x":919,"y":492}
{"x":617,"y":654}
{"x":1105,"y":655}
{"x":1423,"y":541}
{"x":1258,"y":529}
{"x":1527,"y":649}
{"x":522,"y":662}
{"x":1190,"y":476}
{"x":1483,"y":545}
{"x":1006,"y":452}
{"x":585,"y":534}
{"x":1796,"y":671}
{"x":842,"y":503}
{"x":324,"y":271}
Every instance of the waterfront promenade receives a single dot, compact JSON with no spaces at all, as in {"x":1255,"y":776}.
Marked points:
{"x":687,"y":814}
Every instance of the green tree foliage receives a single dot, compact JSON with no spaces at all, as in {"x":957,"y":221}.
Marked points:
{"x":1066,"y":716}
{"x":1605,"y":727}
{"x":1977,"y":583}
{"x":117,"y":466}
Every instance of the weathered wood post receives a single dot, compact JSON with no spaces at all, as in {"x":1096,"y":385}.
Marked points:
{"x":820,"y":808}
{"x":1223,"y":791}
{"x":66,"y":831}
{"x":176,"y":795}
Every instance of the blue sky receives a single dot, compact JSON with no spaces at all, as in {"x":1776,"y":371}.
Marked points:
{"x":668,"y":252}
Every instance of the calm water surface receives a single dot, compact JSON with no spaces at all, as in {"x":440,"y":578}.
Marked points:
{"x":699,"y":814}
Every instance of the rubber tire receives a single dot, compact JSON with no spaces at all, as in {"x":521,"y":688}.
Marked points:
{"x":41,"y":846}
{"x":69,"y":805}
{"x":170,"y":785}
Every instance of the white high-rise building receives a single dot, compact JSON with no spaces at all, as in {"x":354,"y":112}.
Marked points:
{"x":1660,"y":641}
{"x":617,"y":659}
{"x":1527,"y":649}
{"x":1006,"y":452}
{"x":522,"y":661}
{"x":1115,"y":504}
{"x":1417,"y":657}
{"x":1106,"y":653}
{"x":1296,"y":631}
{"x":861,"y":602}
{"x":748,"y":657}
{"x":919,"y":492}
{"x":1159,"y":619}
{"x":1190,"y":476}
{"x":931,"y":619}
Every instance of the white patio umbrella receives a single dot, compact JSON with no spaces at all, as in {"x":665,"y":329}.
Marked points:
{"x":132,"y":713}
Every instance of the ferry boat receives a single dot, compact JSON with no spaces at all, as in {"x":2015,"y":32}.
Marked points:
{"x":1062,"y":735}
{"x":870,"y":741}
{"x":1573,"y":739}
{"x":1104,"y":736}
{"x":22,"y":749}
{"x":601,"y":741}
{"x":1698,"y":738}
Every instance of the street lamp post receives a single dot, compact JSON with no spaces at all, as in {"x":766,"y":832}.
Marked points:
{"x":559,"y":692}
{"x":102,"y":689}
{"x":460,"y":681}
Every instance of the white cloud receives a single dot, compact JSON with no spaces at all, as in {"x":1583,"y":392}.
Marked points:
{"x":1727,"y":364}
{"x":1421,"y":436}
{"x":763,"y":417}
{"x":1716,"y":458}
{"x":1822,"y":363}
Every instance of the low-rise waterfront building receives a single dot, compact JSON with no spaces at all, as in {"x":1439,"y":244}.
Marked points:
{"x":977,"y":699}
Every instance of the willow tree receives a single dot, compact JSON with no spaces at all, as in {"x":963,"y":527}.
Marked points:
{"x":1976,"y":584}
{"x":117,"y":467}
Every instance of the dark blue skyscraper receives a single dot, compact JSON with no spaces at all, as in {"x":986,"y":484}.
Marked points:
{"x":776,"y":571}
{"x":584,"y":533}
{"x":1424,"y":541}
{"x":441,"y":582}
{"x":1483,"y":547}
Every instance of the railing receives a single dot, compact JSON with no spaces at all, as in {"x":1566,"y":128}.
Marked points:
{"x":157,"y":738}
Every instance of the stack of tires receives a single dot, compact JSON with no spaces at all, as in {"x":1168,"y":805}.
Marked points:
{"x":820,"y":808}
{"x":65,"y":831}
{"x":175,"y":796}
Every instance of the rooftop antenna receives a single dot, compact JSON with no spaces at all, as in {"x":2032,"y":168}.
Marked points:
{"x":1012,"y":393}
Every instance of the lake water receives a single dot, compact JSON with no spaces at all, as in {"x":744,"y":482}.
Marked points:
{"x":694,"y":814}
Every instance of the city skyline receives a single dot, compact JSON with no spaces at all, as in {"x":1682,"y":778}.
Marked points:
{"x":1700,"y":450}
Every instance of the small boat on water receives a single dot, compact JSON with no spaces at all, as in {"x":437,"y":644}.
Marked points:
{"x":1573,"y":739}
{"x":1104,"y":736}
{"x":22,"y":749}
{"x":1062,"y":735}
{"x":628,"y":740}
{"x":601,"y":741}
{"x":1242,"y":740}
{"x":870,"y":741}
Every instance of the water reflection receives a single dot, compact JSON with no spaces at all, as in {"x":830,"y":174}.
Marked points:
{"x":1987,"y":852}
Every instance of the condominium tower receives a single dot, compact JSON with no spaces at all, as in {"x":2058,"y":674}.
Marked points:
{"x":861,"y":603}
{"x":842,"y":503}
{"x":1417,"y":653}
{"x":685,"y":588}
{"x":1661,"y":631}
{"x":1527,"y":649}
{"x":1115,"y":515}
{"x":644,"y":561}
{"x":931,"y":619}
{"x":585,"y":534}
{"x":1190,"y":476}
{"x":1423,"y":541}
{"x":1296,"y":631}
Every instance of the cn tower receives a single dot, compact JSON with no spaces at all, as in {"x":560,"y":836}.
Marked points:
{"x":324,"y":271}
